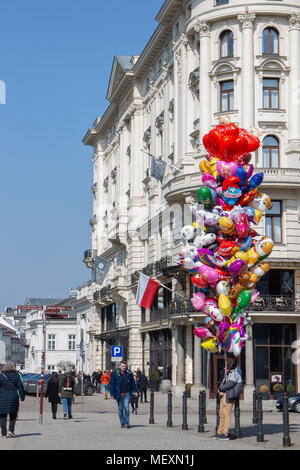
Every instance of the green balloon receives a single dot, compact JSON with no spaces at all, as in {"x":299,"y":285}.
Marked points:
{"x":204,"y":196}
{"x":244,"y":299}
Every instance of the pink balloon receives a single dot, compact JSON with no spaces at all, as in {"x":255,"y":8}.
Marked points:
{"x":203,"y":332}
{"x":226,"y":169}
{"x":198,"y":300}
{"x":242,"y":226}
{"x":209,"y":274}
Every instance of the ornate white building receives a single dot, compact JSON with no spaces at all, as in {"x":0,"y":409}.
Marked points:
{"x":205,"y":59}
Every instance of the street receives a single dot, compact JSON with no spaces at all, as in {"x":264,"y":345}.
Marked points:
{"x":95,"y":426}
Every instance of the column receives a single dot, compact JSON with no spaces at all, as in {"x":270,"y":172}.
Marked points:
{"x":179,"y":120}
{"x":189,"y":108}
{"x":180,"y":386}
{"x":247,"y":84}
{"x":197,"y":362}
{"x":294,"y":85}
{"x":203,"y":28}
{"x":249,"y":365}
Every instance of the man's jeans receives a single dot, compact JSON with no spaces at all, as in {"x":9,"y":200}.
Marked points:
{"x":67,"y":406}
{"x":123,"y":408}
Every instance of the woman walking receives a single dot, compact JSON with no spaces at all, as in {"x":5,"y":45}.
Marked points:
{"x":11,"y":388}
{"x":52,"y":393}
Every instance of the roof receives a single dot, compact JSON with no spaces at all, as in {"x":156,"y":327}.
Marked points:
{"x":121,"y":65}
{"x":42,"y":301}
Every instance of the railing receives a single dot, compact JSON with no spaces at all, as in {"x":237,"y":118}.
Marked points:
{"x":102,"y":293}
{"x":270,"y":303}
{"x":152,"y":269}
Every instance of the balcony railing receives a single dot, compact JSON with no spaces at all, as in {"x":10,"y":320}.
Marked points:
{"x":152,"y":269}
{"x":102,"y":293}
{"x":270,"y":303}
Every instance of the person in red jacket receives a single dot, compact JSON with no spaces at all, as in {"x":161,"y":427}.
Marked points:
{"x":105,"y":380}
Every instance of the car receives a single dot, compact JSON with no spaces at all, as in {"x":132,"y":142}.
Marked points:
{"x":293,"y":403}
{"x":31,"y":381}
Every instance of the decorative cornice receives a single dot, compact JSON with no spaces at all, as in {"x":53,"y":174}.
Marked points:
{"x":294,"y":22}
{"x":246,"y":18}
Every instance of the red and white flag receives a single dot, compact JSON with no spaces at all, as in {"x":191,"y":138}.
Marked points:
{"x":146,"y":291}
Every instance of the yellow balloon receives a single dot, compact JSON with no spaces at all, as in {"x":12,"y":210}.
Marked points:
{"x":210,"y":345}
{"x":253,"y":256}
{"x":204,"y":167}
{"x":213,"y":167}
{"x":225,"y":305}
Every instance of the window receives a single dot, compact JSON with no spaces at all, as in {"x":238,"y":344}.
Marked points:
{"x":277,"y":282}
{"x":71,"y":342}
{"x":226,"y":95}
{"x":221,"y":2}
{"x":51,"y":368}
{"x":273,"y":222}
{"x":270,"y":93}
{"x":270,"y":152}
{"x":51,"y":342}
{"x":226,"y":44}
{"x":270,"y":41}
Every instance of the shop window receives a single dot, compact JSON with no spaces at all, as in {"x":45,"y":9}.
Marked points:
{"x":270,"y":41}
{"x":270,"y":152}
{"x":226,"y":95}
{"x":272,"y":355}
{"x":270,"y":93}
{"x":226,"y":44}
{"x":273,"y":221}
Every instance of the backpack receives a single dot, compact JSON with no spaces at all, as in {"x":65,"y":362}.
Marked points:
{"x":67,"y":383}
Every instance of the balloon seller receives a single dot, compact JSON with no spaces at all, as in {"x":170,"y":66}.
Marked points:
{"x":223,"y":253}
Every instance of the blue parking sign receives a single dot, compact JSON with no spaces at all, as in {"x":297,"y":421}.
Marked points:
{"x":116,"y":353}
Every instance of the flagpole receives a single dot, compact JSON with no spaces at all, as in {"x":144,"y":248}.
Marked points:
{"x":165,"y":287}
{"x":173,"y":166}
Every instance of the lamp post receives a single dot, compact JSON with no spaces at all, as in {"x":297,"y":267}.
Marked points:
{"x":43,"y":365}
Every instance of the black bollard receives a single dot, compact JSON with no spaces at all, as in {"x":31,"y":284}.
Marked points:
{"x":260,"y":430}
{"x":254,"y":418}
{"x":285,"y":416}
{"x":169,"y":422}
{"x":184,"y":412}
{"x":217,"y":412}
{"x":204,"y":405}
{"x":201,"y":412}
{"x":151,"y":419}
{"x":237,"y":414}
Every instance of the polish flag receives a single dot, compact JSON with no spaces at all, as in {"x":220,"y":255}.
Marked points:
{"x":146,"y":291}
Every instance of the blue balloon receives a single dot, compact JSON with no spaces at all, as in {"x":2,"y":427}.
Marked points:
{"x":256,"y":180}
{"x":242,"y":174}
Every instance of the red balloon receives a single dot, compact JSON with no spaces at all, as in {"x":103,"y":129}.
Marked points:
{"x":199,"y":281}
{"x":247,"y":198}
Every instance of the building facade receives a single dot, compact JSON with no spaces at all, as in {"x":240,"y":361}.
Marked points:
{"x":206,"y":59}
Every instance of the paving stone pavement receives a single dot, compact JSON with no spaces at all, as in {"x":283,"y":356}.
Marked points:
{"x":95,"y":426}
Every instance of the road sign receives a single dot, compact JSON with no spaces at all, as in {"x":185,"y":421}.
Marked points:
{"x":116,"y":353}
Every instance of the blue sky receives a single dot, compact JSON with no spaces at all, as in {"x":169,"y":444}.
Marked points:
{"x":55,"y":60}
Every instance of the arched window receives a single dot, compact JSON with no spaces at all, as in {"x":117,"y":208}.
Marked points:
{"x":226,"y":44}
{"x":270,"y":41}
{"x":270,"y":152}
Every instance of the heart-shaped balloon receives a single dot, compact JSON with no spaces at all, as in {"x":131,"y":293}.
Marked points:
{"x":226,"y":169}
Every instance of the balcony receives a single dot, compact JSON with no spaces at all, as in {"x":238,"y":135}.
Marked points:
{"x":263,"y":304}
{"x":153,"y":269}
{"x":102,"y":294}
{"x":276,"y":177}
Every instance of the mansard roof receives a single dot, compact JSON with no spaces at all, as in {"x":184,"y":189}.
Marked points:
{"x":121,"y":65}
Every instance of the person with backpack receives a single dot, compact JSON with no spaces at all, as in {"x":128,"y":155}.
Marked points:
{"x":122,"y":386}
{"x":142,"y":385}
{"x":105,"y":381}
{"x":52,"y":393}
{"x":11,"y":389}
{"x":229,"y":390}
{"x":67,"y":391}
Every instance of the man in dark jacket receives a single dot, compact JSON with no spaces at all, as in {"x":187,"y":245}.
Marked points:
{"x":67,"y":391}
{"x":122,"y":386}
{"x":142,"y":385}
{"x":229,"y":390}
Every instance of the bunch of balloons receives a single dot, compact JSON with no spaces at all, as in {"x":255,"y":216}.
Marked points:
{"x":223,"y":252}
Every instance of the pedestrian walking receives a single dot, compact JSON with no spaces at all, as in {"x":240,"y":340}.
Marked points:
{"x":52,"y":393}
{"x":122,"y":386}
{"x":96,"y":380}
{"x":67,"y":392}
{"x":134,"y":400}
{"x":142,"y":385}
{"x":105,"y":381}
{"x":229,"y":390}
{"x":11,"y":389}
